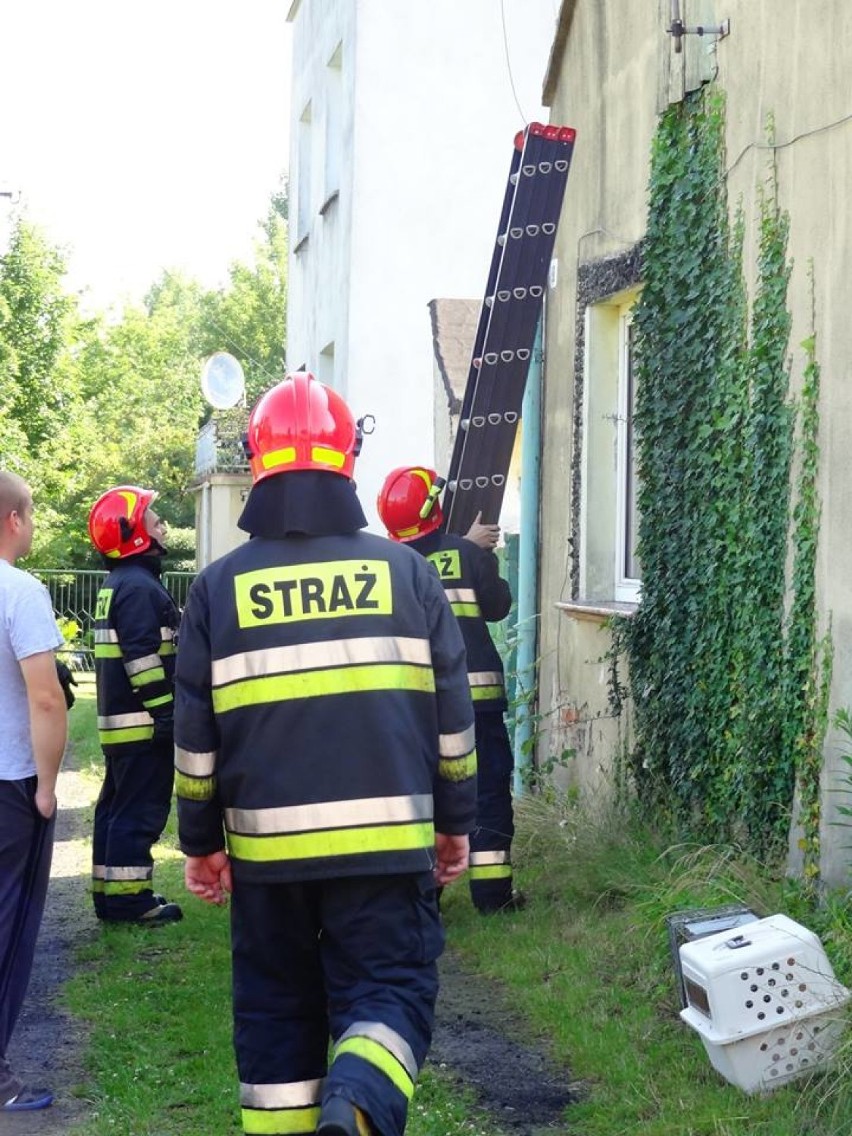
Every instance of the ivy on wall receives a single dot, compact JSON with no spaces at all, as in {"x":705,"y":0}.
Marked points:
{"x":724,"y":665}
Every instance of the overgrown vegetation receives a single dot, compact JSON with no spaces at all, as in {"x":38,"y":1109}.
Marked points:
{"x":728,"y":678}
{"x":91,"y":401}
{"x":586,"y":965}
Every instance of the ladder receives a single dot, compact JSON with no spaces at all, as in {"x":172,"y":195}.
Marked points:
{"x":502,"y":349}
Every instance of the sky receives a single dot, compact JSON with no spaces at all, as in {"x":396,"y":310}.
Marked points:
{"x":143,"y":136}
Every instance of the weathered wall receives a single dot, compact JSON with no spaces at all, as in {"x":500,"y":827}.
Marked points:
{"x":790,"y":62}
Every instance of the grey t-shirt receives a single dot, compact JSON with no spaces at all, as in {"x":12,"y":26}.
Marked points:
{"x":27,"y":627}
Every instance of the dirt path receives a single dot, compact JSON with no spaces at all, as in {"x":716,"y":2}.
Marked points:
{"x":477,"y":1037}
{"x":48,"y":1044}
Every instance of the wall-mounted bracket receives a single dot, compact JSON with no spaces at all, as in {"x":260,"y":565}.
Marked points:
{"x":677,"y":29}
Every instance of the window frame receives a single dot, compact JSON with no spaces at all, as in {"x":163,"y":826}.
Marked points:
{"x":627,"y":586}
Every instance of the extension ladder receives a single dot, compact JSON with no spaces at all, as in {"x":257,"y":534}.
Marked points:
{"x":502,"y":349}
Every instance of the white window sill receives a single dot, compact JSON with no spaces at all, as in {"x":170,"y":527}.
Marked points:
{"x":595,"y":612}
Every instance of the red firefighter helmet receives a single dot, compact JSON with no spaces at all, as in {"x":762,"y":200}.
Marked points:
{"x":117,"y":521}
{"x":301,"y":424}
{"x":408,"y":502}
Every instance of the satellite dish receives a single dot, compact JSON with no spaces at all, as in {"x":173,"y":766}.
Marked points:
{"x":223,"y":383}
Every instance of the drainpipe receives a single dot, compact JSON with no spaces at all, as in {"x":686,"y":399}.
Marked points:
{"x":527,"y":598}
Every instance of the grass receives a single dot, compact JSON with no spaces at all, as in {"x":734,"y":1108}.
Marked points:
{"x":587,"y":965}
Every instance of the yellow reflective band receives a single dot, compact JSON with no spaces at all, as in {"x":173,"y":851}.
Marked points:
{"x":148,"y":702}
{"x":448,"y":563}
{"x":340,"y":680}
{"x":195,"y":788}
{"x":132,"y":734}
{"x":107,"y":651}
{"x":483,"y":693}
{"x":166,"y":649}
{"x":331,"y":842}
{"x":491,"y":872}
{"x":327,"y":456}
{"x":155,"y":674}
{"x":296,"y":592}
{"x":280,"y":1121}
{"x":97,"y":886}
{"x":457,"y":768}
{"x":278,"y":457}
{"x":403,"y":533}
{"x":125,"y":887}
{"x":376,"y":1055}
{"x":102,"y":604}
{"x":465,"y":610}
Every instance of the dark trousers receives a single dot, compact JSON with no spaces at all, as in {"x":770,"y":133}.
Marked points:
{"x":353,"y":959}
{"x":26,"y":848}
{"x":491,"y":841}
{"x":130,"y":815}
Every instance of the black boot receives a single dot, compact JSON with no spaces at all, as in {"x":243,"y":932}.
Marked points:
{"x":339,"y":1117}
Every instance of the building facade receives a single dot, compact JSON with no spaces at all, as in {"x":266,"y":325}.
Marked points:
{"x":403,"y":120}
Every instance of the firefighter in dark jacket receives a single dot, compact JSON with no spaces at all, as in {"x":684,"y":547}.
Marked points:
{"x":326,"y":775}
{"x":411,"y":512}
{"x":135,"y":631}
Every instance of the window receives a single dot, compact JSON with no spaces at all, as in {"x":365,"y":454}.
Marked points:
{"x":609,"y":570}
{"x":627,"y":576}
{"x":333,"y":126}
{"x":303,"y":176}
{"x":326,"y":365}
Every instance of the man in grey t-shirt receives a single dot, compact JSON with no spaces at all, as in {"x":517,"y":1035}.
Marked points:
{"x":33,"y":726}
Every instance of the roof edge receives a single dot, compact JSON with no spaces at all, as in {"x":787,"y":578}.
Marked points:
{"x":557,"y":50}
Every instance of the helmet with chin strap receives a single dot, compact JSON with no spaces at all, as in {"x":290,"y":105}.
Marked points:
{"x":117,"y":521}
{"x":408,"y":502}
{"x":301,"y":424}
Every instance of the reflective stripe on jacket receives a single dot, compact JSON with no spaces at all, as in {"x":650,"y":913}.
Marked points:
{"x":135,"y":631}
{"x":478,"y":595}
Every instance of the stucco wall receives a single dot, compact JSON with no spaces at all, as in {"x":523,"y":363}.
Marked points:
{"x":789,"y":61}
{"x":608,"y":93}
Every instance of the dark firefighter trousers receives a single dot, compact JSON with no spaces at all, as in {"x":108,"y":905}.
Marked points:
{"x":350,"y":959}
{"x":490,"y":874}
{"x":130,"y":815}
{"x":26,"y":848}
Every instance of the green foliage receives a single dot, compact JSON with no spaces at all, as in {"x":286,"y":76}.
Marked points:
{"x":34,"y":315}
{"x":726,"y":684}
{"x":249,"y":318}
{"x":843,"y":722}
{"x":86,"y":403}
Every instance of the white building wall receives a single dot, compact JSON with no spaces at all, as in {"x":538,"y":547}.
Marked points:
{"x":428,"y":119}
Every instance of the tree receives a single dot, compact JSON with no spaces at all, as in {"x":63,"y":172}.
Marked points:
{"x":35,"y":314}
{"x":249,"y":318}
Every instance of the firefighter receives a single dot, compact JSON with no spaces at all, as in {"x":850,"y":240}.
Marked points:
{"x":326,"y":776}
{"x":411,"y":512}
{"x":135,"y":631}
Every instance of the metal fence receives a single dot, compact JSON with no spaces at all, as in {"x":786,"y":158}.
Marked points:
{"x":74,"y":593}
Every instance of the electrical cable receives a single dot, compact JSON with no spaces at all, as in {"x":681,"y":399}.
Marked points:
{"x":774,"y":146}
{"x":509,"y":63}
